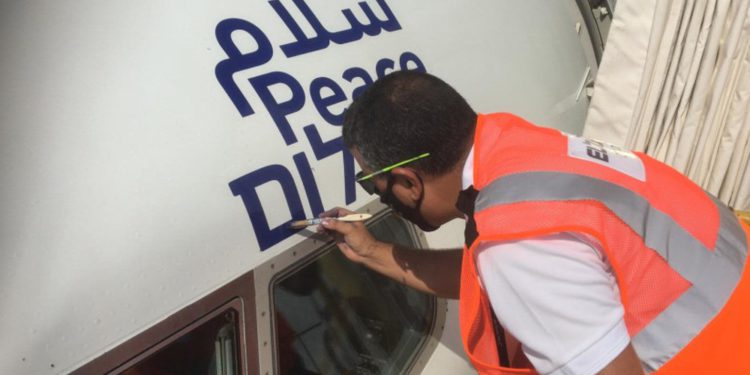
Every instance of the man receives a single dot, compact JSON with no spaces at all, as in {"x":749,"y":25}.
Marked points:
{"x":596,"y":260}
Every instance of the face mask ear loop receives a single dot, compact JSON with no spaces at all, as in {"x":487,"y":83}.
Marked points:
{"x":421,"y":195}
{"x":385,"y":195}
{"x":389,"y":192}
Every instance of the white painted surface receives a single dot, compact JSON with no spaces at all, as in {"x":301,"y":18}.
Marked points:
{"x":449,"y":357}
{"x":117,"y":145}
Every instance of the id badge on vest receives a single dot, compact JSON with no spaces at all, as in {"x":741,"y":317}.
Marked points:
{"x":607,"y":155}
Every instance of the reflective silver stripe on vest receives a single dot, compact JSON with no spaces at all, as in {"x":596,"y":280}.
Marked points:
{"x":713,"y":274}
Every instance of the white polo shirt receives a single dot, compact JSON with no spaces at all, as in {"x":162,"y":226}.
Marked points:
{"x":557,"y":295}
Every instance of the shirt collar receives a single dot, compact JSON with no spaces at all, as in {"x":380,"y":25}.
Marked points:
{"x":467,"y":177}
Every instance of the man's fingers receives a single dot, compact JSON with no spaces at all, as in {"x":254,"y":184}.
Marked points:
{"x":336,"y":212}
{"x":345,"y":249}
{"x":338,"y":226}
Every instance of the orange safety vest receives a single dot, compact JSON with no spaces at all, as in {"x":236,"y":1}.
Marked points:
{"x":677,"y":253}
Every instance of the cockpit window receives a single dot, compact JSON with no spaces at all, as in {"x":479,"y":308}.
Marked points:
{"x":208,"y":349}
{"x":337,"y":317}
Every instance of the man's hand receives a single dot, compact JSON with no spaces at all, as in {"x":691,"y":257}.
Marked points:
{"x":352,"y":238}
{"x":435,"y":272}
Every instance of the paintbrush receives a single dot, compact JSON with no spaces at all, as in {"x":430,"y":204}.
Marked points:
{"x":307,"y":222}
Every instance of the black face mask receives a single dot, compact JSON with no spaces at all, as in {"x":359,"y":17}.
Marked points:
{"x":408,"y":213}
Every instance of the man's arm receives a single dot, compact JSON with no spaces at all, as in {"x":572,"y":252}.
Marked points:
{"x":626,"y":363}
{"x":434,"y":272}
{"x":558,"y":296}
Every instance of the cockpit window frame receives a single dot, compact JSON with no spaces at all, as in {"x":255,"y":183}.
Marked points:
{"x":249,"y":294}
{"x":235,"y":305}
{"x":237,"y":295}
{"x":316,"y":246}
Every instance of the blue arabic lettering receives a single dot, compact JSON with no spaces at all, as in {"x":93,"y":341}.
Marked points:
{"x":237,"y":61}
{"x":323,"y":37}
{"x":390,"y":23}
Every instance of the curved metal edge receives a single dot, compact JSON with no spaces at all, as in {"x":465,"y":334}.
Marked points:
{"x":303,"y":254}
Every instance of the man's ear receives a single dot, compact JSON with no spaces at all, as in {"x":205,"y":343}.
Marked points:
{"x":407,"y":179}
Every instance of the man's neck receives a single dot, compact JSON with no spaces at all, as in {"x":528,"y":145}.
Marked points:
{"x":449,"y":185}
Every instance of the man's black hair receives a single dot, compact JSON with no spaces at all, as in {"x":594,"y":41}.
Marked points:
{"x":406,"y":114}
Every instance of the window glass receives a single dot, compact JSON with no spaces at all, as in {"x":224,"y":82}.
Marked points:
{"x":209,"y":349}
{"x":336,"y":317}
